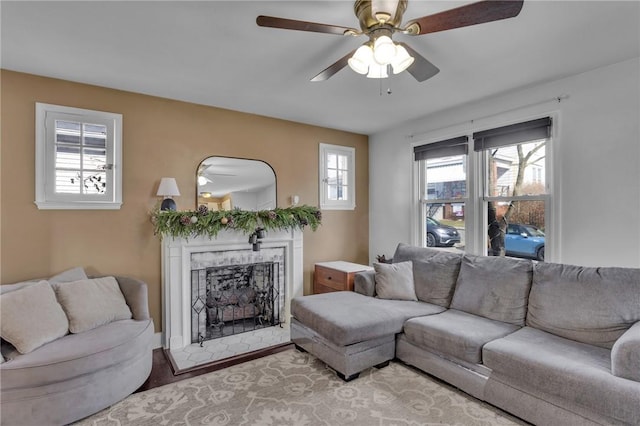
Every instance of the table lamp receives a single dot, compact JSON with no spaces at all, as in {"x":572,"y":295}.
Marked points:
{"x":168,"y":188}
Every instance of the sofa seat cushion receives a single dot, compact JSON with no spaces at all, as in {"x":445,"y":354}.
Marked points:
{"x":77,"y":354}
{"x":345,"y":317}
{"x":544,"y":364}
{"x":456,"y":333}
{"x":609,"y":302}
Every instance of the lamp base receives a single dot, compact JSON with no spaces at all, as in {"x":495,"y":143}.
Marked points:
{"x":168,"y":204}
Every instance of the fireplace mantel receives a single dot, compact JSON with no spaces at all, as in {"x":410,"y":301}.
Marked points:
{"x":176,"y":275}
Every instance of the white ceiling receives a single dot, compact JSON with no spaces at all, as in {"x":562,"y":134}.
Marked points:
{"x":213,"y":53}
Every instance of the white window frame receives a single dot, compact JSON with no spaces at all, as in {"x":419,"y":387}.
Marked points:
{"x":475,"y":235}
{"x":325,"y":202}
{"x":420,"y":181}
{"x":46,"y":197}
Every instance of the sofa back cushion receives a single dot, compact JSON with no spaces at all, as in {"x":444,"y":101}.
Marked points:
{"x":494,"y":287}
{"x":588,"y":305}
{"x":434,"y":272}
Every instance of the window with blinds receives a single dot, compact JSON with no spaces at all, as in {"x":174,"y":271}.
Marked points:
{"x":443,"y":192}
{"x":78,"y":158}
{"x":515,"y":191}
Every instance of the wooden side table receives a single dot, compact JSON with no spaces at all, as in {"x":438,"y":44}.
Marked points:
{"x":335,"y":276}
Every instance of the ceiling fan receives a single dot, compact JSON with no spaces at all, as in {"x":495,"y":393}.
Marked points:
{"x":380,"y":19}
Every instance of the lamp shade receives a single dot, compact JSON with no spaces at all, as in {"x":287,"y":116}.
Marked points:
{"x":384,"y":50}
{"x":168,"y":187}
{"x":360,"y":60}
{"x":402,"y":60}
{"x":377,"y":71}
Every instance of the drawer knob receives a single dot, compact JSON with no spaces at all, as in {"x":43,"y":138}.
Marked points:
{"x":329,"y":277}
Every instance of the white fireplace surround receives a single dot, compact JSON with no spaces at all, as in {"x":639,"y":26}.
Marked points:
{"x":176,"y":275}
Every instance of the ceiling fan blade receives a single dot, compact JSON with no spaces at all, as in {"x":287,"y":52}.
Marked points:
{"x":421,"y":69}
{"x":334,"y":68}
{"x":292,"y":24}
{"x":464,"y":16}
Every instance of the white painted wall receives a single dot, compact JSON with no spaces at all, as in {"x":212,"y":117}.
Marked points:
{"x":596,"y":167}
{"x":266,"y":198}
{"x":244,"y":200}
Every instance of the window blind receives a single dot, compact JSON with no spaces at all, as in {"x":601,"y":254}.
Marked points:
{"x":445,"y":148}
{"x":512,"y":134}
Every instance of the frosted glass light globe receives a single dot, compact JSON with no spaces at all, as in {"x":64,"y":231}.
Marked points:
{"x":402,"y":60}
{"x":384,"y":50}
{"x":361,"y":60}
{"x":377,"y":71}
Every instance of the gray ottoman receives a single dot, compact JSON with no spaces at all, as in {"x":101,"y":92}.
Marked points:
{"x":351,"y":332}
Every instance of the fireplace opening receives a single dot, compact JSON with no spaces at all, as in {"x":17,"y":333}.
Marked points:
{"x":233,"y":299}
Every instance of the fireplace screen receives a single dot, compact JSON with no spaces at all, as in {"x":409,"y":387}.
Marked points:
{"x":233,"y":299}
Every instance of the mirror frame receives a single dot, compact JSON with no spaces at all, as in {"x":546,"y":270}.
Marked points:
{"x":275,"y":176}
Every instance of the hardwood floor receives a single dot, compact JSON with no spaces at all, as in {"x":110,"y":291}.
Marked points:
{"x":163,"y":370}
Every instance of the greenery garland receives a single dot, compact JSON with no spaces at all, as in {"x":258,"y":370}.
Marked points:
{"x":202,"y":222}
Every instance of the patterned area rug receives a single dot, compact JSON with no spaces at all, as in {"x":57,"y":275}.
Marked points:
{"x":294,"y":388}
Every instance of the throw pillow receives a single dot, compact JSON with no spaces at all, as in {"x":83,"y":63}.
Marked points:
{"x":31,"y":317}
{"x":395,"y":281}
{"x":74,"y":274}
{"x":91,"y":303}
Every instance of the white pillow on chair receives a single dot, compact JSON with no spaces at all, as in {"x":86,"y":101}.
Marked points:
{"x":91,"y":303}
{"x":31,"y":316}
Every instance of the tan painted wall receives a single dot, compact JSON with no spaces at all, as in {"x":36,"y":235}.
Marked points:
{"x":161,"y":137}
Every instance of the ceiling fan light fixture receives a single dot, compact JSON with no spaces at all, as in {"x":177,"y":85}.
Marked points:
{"x":202,"y":180}
{"x":361,"y":59}
{"x":402,"y":60}
{"x":384,"y":50}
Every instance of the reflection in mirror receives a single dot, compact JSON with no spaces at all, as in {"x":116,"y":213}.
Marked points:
{"x":225,"y":183}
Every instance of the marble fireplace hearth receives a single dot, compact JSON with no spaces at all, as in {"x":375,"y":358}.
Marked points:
{"x":182,"y":258}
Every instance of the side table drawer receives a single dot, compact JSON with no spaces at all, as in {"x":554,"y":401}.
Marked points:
{"x":331,"y":277}
{"x":335,"y":276}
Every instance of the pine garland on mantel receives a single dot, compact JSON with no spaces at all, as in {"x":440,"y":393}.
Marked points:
{"x":202,"y":222}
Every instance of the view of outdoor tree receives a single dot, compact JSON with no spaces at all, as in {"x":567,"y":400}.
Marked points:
{"x":515,"y":171}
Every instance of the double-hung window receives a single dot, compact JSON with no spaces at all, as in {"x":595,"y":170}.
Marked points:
{"x":494,"y":199}
{"x":442,"y":170}
{"x":515,"y":193}
{"x":78,"y":158}
{"x":337,"y":177}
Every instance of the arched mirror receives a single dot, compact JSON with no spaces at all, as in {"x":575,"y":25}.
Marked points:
{"x":225,"y":183}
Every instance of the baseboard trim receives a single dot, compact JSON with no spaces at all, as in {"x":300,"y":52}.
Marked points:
{"x":157,"y":340}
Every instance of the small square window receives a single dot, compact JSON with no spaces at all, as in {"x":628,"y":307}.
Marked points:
{"x":78,"y":158}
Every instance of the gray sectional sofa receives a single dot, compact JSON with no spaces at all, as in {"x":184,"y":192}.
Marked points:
{"x":552,"y":344}
{"x":80,"y":373}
